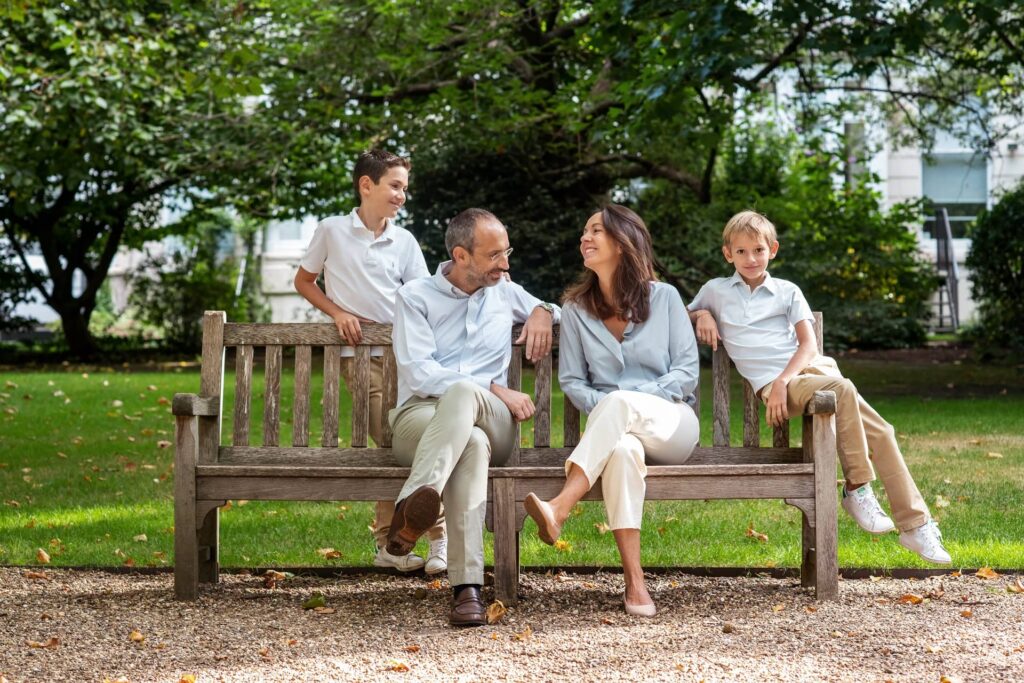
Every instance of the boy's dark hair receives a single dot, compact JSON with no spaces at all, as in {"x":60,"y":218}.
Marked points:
{"x":633,"y":276}
{"x":461,"y":230}
{"x":375,"y":163}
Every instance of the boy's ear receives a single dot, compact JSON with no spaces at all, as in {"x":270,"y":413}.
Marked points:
{"x":774,"y":249}
{"x":365,"y":183}
{"x":727,"y":253}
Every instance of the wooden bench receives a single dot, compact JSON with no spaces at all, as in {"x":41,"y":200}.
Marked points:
{"x":209,"y":473}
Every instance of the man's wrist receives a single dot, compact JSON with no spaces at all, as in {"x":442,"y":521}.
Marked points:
{"x":550,"y":308}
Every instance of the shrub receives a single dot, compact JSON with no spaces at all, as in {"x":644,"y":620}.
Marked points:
{"x":996,"y":262}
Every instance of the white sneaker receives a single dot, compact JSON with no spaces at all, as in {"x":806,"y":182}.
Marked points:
{"x":926,"y":541}
{"x":862,"y":505}
{"x":403,"y":563}
{"x":437,"y":558}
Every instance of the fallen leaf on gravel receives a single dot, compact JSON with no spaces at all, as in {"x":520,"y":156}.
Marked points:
{"x":810,"y":609}
{"x":42,"y":557}
{"x":141,"y":538}
{"x":524,"y":634}
{"x":271,"y":577}
{"x":936,"y":593}
{"x":51,"y":644}
{"x":875,"y":579}
{"x":728,"y":628}
{"x":314,"y":601}
{"x":396,"y":665}
{"x":607,"y":622}
{"x":265,"y":652}
{"x":602,"y":527}
{"x":563,"y":546}
{"x":324,"y":610}
{"x":412,"y":648}
{"x":119,"y":679}
{"x":986,"y":573}
{"x":420,"y":593}
{"x":778,"y":608}
{"x":756,"y":534}
{"x":136,"y":637}
{"x":933,"y":649}
{"x":949,"y":679}
{"x":36,"y":576}
{"x":956,"y":574}
{"x":187,"y":678}
{"x":328,"y":553}
{"x":434,"y":585}
{"x":495,"y":611}
{"x":493,"y":636}
{"x":993,"y":456}
{"x":1015,"y":587}
{"x":910,"y":599}
{"x":291,"y":642}
{"x":967,"y":613}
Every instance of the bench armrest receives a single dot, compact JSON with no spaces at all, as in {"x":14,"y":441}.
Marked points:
{"x":823,"y":402}
{"x":191,"y":405}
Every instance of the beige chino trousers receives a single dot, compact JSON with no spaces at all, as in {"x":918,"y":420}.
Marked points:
{"x":625,"y":431}
{"x":865,"y":441}
{"x":385,"y":508}
{"x":449,"y":442}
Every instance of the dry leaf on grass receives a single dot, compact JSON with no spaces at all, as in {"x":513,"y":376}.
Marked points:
{"x":602,"y":527}
{"x":140,"y":538}
{"x":752,"y":533}
{"x":941,"y":502}
{"x":987,"y":573}
{"x":563,"y":546}
{"x":993,"y":456}
{"x":163,"y":443}
{"x":42,"y":557}
{"x":51,"y":644}
{"x":495,"y":611}
{"x":328,"y":553}
{"x":910,"y":599}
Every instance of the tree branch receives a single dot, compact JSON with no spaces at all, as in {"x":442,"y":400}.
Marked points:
{"x":776,"y":61}
{"x":647,"y":168}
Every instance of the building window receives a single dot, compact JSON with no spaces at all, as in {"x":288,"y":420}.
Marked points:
{"x":957,"y":182}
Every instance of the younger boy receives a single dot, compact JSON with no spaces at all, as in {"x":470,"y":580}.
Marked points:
{"x":365,"y":258}
{"x":766,"y":326}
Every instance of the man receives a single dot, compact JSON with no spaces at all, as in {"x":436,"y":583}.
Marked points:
{"x":455,"y":414}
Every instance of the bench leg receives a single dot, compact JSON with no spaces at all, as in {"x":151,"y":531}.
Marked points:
{"x":506,"y":541}
{"x":807,"y":540}
{"x":208,"y":540}
{"x":826,"y":526}
{"x":186,"y":549}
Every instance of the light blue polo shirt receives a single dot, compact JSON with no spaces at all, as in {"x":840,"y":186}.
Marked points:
{"x":757,"y":327}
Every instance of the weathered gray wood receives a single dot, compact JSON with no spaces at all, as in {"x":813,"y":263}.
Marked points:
{"x":542,"y":402}
{"x":390,"y":394}
{"x":300,"y":406}
{"x":319,"y":334}
{"x":243,"y":394}
{"x":515,"y":381}
{"x":272,"y":396}
{"x":506,"y":541}
{"x":342,"y":487}
{"x":826,"y":533}
{"x":570,"y":423}
{"x":751,"y":416}
{"x":720,"y":396}
{"x":808,"y":549}
{"x":780,"y":435}
{"x":307,"y":457}
{"x":187,"y":405}
{"x":332,"y":377}
{"x":186,"y":551}
{"x":696,"y":405}
{"x":211,"y":383}
{"x":705,"y":455}
{"x":819,"y":331}
{"x":665,"y":471}
{"x":361,"y":396}
{"x":208,"y":541}
{"x":823,"y":402}
{"x":707,"y":487}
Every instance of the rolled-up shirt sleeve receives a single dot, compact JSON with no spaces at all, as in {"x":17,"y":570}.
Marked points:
{"x":415,"y":349}
{"x":679,"y":383}
{"x":573,"y":375}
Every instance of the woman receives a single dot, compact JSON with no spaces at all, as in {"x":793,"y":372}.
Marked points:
{"x":628,"y":358}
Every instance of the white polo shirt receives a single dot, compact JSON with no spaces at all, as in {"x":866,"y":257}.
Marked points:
{"x":362,"y":273}
{"x":757,"y":327}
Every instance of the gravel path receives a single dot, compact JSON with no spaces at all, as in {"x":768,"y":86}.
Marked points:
{"x":566,"y":627}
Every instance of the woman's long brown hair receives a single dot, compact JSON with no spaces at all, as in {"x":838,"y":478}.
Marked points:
{"x":632,"y":279}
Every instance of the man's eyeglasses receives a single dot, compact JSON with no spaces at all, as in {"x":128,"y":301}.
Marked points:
{"x":496,"y":256}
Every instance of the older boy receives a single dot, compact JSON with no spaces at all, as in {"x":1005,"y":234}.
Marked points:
{"x":365,"y":258}
{"x":766,"y":325}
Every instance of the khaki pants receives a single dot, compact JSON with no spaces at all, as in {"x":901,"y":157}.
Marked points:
{"x":626,"y":431}
{"x":449,"y":442}
{"x":385,"y":508}
{"x":866,"y":442}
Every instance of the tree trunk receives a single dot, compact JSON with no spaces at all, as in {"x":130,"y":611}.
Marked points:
{"x":75,"y":321}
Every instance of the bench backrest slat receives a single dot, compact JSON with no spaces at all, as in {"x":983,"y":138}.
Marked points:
{"x":390,"y":391}
{"x":542,"y":392}
{"x":720,"y":396}
{"x":332,"y":377}
{"x":570,"y":423}
{"x":360,"y":396}
{"x":211,"y":383}
{"x":243,"y":394}
{"x":272,"y":396}
{"x":751,"y":416}
{"x":300,"y":406}
{"x":515,"y":381}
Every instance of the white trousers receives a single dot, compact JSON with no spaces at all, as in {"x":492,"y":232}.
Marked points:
{"x":626,"y":431}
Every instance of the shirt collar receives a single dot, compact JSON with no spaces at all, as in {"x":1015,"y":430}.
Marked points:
{"x":445,"y":285}
{"x":359,"y":227}
{"x":769,"y":282}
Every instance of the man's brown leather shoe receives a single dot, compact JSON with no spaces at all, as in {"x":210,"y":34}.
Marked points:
{"x":416,"y":513}
{"x":468,"y":608}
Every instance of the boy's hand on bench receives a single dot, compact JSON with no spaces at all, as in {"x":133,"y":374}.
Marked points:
{"x":519,"y":404}
{"x":706,"y":329}
{"x":776,"y":413}
{"x":537,"y":334}
{"x":348,"y":327}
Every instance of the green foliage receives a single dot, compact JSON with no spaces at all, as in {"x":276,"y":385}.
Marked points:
{"x":14,"y":290}
{"x":172,"y":291}
{"x":996,"y":262}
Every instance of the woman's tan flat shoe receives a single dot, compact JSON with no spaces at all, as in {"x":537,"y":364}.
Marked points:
{"x":541,"y":513}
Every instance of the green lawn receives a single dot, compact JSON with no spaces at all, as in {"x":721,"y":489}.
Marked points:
{"x":86,"y":471}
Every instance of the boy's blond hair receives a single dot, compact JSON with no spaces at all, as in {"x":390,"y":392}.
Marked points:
{"x":749,"y":223}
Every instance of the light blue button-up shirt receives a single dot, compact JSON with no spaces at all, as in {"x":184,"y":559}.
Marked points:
{"x":757,"y":327}
{"x":443,"y":335}
{"x":658,"y":356}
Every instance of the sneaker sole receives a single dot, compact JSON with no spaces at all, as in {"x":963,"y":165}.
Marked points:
{"x":388,"y":565}
{"x":927,"y":559}
{"x":877,"y":533}
{"x":419,"y":513}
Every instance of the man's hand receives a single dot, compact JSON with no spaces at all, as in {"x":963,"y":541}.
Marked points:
{"x":519,"y":404}
{"x":348,"y":327}
{"x":707,"y":330}
{"x":776,"y":413}
{"x":537,"y":333}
